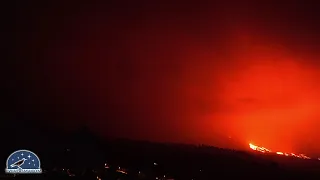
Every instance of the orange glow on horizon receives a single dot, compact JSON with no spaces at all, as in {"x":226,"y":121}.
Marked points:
{"x":243,"y":81}
{"x":273,"y":97}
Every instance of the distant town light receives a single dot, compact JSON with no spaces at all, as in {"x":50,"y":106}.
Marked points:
{"x":122,"y":171}
{"x":106,"y":166}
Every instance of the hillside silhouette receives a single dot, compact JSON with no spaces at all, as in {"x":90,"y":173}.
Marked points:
{"x":83,"y":152}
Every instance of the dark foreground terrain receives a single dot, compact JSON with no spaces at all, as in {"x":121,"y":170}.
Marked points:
{"x":89,"y":158}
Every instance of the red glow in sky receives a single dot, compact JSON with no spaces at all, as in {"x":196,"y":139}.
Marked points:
{"x":166,"y":74}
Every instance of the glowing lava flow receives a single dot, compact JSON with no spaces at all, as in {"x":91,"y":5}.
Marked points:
{"x":257,"y":148}
{"x":265,"y":150}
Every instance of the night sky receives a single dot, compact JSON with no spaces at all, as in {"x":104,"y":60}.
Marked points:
{"x":222,"y":73}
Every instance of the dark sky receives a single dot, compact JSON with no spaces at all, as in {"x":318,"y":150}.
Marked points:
{"x":178,"y":71}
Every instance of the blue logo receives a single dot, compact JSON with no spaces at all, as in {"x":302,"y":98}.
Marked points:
{"x":23,"y":162}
